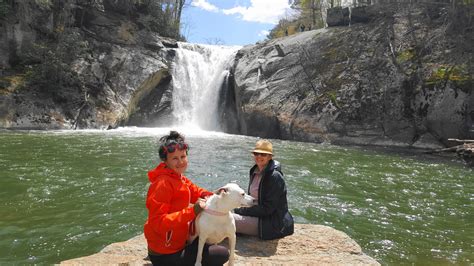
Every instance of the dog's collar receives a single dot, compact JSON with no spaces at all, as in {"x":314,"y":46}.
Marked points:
{"x":216,"y":213}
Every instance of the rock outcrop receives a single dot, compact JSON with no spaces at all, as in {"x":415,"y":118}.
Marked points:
{"x":119,"y":65}
{"x":309,"y":245}
{"x":402,"y":79}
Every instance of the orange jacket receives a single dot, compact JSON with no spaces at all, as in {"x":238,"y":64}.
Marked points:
{"x":169,"y":213}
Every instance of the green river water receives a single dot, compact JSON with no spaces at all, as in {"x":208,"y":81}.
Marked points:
{"x":65,"y":194}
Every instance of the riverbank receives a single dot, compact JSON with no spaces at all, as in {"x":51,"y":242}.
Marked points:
{"x":309,"y":245}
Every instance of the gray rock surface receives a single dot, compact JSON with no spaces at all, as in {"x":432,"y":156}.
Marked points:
{"x":338,"y":16}
{"x":378,"y":83}
{"x":121,"y":65}
{"x":309,"y":245}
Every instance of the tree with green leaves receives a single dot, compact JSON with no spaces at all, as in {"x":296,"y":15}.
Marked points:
{"x":161,"y":16}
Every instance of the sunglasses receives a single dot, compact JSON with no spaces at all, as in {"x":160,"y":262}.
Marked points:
{"x":173,"y":145}
{"x":259,"y":154}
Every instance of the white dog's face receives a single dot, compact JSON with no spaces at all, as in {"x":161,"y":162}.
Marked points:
{"x":235,"y":196}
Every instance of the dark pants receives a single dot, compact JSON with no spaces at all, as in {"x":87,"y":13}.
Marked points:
{"x":211,"y":255}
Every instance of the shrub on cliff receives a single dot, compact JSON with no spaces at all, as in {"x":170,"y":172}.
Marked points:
{"x":160,"y":16}
{"x":5,"y":8}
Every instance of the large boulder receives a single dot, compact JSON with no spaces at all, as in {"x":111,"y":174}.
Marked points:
{"x":363,"y":14}
{"x":309,"y":245}
{"x":338,"y":16}
{"x":368,"y":84}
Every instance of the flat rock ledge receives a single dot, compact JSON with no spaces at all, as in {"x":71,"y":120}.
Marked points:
{"x":309,"y":245}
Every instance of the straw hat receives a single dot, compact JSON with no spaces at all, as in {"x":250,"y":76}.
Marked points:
{"x":263,"y":146}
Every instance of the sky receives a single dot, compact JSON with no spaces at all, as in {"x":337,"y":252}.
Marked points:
{"x":231,"y":22}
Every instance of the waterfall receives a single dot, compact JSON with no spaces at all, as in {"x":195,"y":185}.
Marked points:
{"x":198,"y":73}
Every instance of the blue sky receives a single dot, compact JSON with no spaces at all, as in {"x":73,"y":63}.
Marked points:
{"x":231,"y":22}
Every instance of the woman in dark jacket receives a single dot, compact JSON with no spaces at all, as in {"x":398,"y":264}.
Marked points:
{"x":270,"y":219}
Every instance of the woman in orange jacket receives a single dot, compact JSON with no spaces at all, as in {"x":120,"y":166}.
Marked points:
{"x":173,"y":202}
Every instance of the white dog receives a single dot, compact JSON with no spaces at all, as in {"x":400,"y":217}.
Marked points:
{"x":216,"y":221}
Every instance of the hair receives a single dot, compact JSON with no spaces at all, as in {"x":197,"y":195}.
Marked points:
{"x":173,"y":137}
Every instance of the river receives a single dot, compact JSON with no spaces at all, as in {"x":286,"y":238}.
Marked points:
{"x":65,"y":194}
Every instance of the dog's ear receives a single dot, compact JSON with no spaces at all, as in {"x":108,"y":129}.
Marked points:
{"x":220,"y":190}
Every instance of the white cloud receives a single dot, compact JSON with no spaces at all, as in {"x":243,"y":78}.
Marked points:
{"x":203,"y":4}
{"x":264,"y":11}
{"x":263,"y":33}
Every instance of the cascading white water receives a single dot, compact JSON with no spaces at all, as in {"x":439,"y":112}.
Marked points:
{"x":198,"y":73}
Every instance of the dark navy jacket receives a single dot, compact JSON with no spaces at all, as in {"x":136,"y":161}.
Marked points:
{"x":275,"y":221}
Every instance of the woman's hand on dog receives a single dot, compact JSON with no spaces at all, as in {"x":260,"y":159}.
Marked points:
{"x":199,"y":206}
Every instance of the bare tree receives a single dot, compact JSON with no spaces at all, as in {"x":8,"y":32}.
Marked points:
{"x":215,"y":41}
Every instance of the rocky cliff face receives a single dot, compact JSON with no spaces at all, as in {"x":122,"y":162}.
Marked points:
{"x":396,"y":76}
{"x":120,"y":65}
{"x":403,"y":78}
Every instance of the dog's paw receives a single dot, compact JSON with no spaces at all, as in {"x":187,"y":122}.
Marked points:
{"x":231,"y":261}
{"x":197,"y":264}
